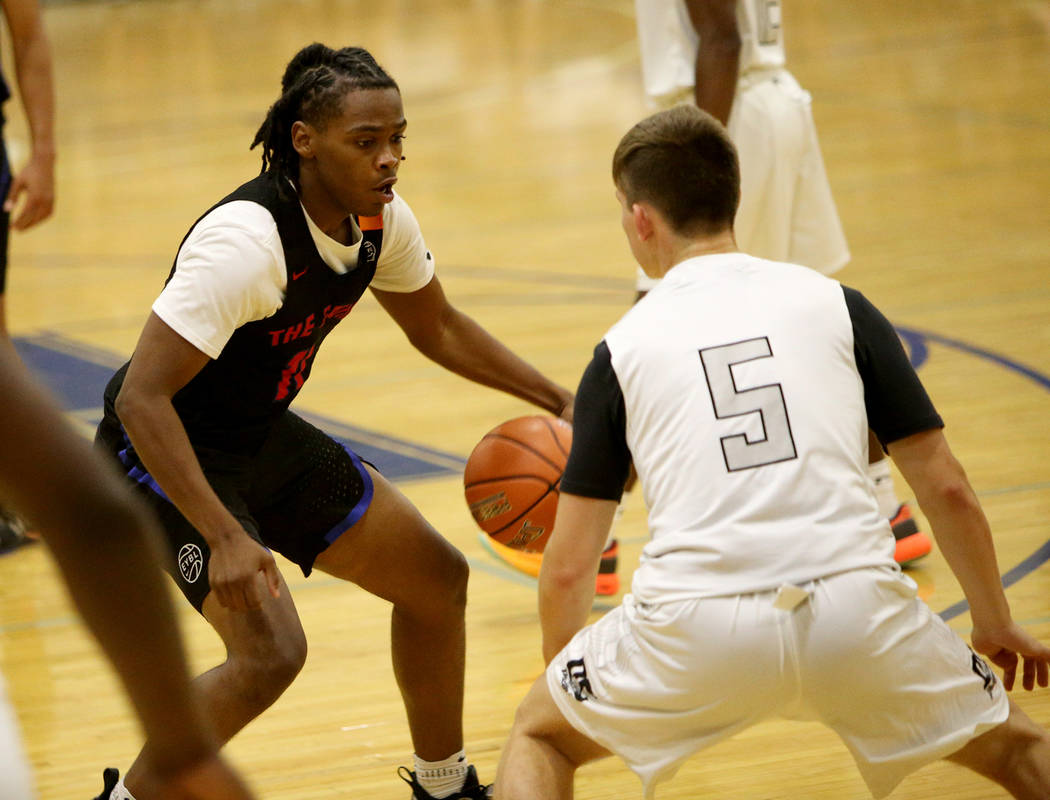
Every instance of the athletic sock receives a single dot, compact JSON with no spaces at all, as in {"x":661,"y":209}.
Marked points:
{"x":120,"y":792}
{"x":880,"y":475}
{"x":442,"y":778}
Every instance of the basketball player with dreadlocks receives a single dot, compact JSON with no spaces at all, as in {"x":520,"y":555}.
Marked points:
{"x":199,"y":417}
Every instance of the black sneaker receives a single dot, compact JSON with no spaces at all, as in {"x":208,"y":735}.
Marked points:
{"x":12,"y":532}
{"x":110,"y":776}
{"x":471,"y":789}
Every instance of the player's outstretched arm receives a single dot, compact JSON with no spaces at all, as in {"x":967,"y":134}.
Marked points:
{"x":964,"y":537}
{"x":455,"y":341}
{"x":107,"y":549}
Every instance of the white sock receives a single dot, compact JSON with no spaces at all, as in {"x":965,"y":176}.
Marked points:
{"x":120,"y":792}
{"x":442,"y":778}
{"x":880,"y":475}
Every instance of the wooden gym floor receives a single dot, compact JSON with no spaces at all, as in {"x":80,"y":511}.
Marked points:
{"x":935,"y":126}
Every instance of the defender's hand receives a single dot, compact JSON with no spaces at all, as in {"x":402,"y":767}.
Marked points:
{"x":1004,"y":647}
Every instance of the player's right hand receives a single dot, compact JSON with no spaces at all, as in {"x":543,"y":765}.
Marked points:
{"x":210,"y":779}
{"x":1005,"y":646}
{"x":241,"y":571}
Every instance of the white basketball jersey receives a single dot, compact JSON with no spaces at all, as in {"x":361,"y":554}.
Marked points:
{"x":746,"y":421}
{"x":669,"y":42}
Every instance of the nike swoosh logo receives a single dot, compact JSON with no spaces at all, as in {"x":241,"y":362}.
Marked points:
{"x":297,"y":275}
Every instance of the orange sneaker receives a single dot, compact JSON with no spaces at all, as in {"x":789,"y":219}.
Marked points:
{"x":607,"y":582}
{"x":912,"y":544}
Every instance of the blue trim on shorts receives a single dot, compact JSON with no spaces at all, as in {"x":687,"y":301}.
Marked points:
{"x":358,"y":510}
{"x":138,"y":474}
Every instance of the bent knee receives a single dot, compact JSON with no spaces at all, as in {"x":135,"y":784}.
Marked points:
{"x":272,"y":659}
{"x":1015,"y":754}
{"x":446,"y":578}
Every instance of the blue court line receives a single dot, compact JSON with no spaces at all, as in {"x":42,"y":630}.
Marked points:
{"x":1010,"y":577}
{"x":83,"y":364}
{"x":77,"y":374}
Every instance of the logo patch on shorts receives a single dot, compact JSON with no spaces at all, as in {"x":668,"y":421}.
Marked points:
{"x":574,"y":680}
{"x":191,"y":562}
{"x":983,"y":671}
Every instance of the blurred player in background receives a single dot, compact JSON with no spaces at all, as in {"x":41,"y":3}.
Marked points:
{"x":28,"y":194}
{"x":107,"y":547}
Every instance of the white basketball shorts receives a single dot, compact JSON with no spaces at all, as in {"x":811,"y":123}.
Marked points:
{"x":863,"y":655}
{"x":787,"y":212}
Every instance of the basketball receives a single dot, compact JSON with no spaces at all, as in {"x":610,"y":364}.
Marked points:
{"x":512,"y":480}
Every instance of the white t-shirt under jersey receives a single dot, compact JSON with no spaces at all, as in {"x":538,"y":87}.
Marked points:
{"x":231,"y":269}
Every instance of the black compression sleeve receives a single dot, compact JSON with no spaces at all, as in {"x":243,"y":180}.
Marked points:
{"x":600,"y":460}
{"x":897,"y":404}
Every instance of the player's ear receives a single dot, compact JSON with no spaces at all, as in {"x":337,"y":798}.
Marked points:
{"x":302,"y":139}
{"x":643,"y":220}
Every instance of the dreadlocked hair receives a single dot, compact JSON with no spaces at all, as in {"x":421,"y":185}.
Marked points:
{"x":314,"y":83}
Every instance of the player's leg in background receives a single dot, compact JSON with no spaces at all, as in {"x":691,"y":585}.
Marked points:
{"x":12,"y":530}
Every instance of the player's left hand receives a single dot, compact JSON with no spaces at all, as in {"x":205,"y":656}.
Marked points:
{"x":34,"y":185}
{"x":1005,"y":646}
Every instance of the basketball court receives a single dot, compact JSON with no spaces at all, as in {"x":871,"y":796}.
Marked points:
{"x":935,"y":130}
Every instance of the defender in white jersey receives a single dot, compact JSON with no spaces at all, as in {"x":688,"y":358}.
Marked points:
{"x":727,"y":56}
{"x":743,"y":391}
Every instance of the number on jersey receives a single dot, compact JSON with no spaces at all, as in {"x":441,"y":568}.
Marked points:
{"x":730,"y":401}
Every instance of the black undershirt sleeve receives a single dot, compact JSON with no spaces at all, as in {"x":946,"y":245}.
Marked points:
{"x":896,"y":402}
{"x":599,"y":460}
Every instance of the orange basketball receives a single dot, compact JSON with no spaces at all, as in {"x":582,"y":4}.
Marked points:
{"x":512,"y":477}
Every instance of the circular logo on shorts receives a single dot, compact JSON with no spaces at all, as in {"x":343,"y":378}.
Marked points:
{"x":191,"y":562}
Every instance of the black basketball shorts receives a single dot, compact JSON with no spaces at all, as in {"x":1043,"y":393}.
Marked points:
{"x":297,"y":496}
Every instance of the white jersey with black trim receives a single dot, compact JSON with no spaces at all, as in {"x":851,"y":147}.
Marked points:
{"x":745,"y":417}
{"x":669,"y":43}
